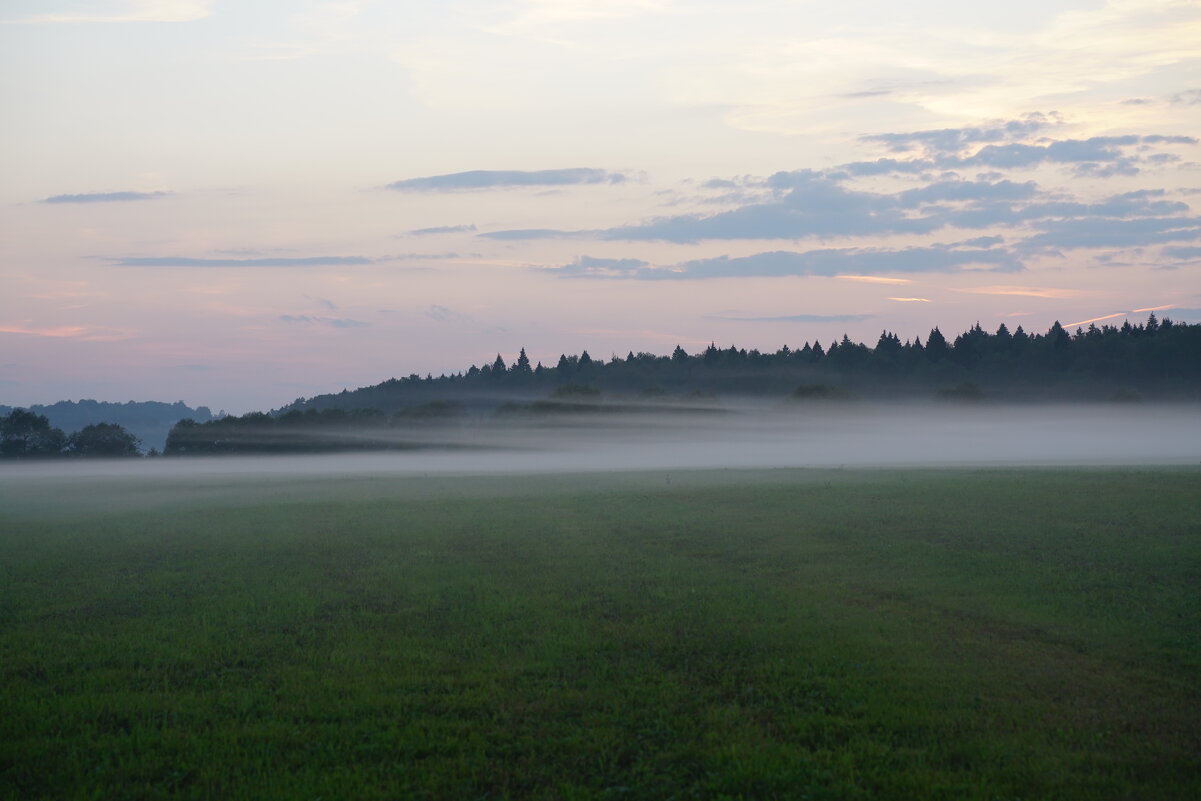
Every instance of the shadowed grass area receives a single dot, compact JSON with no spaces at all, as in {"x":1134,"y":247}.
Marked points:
{"x":986,"y":634}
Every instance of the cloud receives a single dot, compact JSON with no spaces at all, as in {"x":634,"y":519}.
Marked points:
{"x":875,"y":279}
{"x":1127,"y":313}
{"x":825,"y":262}
{"x":806,"y":203}
{"x":963,"y":191}
{"x":1001,"y":146}
{"x":443,"y":229}
{"x":178,"y":261}
{"x":334,"y":322}
{"x":1096,"y":232}
{"x":104,"y":197}
{"x":420,"y":256}
{"x":831,"y":262}
{"x":519,"y":234}
{"x":1096,"y":319}
{"x":866,"y":93}
{"x":141,"y":11}
{"x":443,"y":314}
{"x":1022,"y":291}
{"x":1182,"y":253}
{"x":954,"y":140}
{"x":828,"y":204}
{"x":911,"y":300}
{"x":501,"y":179}
{"x":801,"y":318}
{"x":69,"y":332}
{"x":593,"y":267}
{"x":62,"y":331}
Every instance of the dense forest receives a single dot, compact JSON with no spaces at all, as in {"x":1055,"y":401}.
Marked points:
{"x":1155,"y":361}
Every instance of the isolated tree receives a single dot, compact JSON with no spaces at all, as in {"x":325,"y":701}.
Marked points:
{"x":103,"y":439}
{"x":25,"y":434}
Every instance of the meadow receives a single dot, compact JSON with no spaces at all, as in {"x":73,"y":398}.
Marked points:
{"x":822,"y":634}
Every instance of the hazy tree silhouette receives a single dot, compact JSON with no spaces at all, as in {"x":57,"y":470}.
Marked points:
{"x":103,"y":439}
{"x":25,"y":434}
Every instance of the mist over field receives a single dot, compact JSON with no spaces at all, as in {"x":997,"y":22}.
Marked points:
{"x":747,"y":437}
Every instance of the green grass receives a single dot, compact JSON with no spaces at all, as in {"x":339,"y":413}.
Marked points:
{"x":975,"y":634}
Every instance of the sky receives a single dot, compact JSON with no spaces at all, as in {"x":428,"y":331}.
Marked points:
{"x":237,"y":204}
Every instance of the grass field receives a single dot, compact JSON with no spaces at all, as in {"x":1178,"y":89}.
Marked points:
{"x":972,"y":634}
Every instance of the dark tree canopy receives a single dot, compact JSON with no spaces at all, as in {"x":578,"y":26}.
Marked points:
{"x":25,"y":434}
{"x":103,"y":440}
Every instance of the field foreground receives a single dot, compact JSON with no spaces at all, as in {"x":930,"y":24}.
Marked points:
{"x":969,"y":634}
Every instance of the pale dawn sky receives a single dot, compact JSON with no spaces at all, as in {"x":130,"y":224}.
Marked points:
{"x":240,"y":203}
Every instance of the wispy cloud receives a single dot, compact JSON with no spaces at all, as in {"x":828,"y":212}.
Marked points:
{"x":81,"y":333}
{"x":130,"y":11}
{"x":104,"y":197}
{"x":911,"y":300}
{"x":955,"y":140}
{"x":443,"y":314}
{"x":443,"y":229}
{"x":1022,"y":291}
{"x":800,"y":318}
{"x":66,"y":331}
{"x":179,"y":261}
{"x":594,"y":267}
{"x":506,"y":179}
{"x":828,"y":262}
{"x":837,"y":261}
{"x":874,"y":279}
{"x":334,"y":322}
{"x":1126,"y":313}
{"x":1096,"y":319}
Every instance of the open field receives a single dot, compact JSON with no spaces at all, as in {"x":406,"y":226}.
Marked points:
{"x":823,"y":634}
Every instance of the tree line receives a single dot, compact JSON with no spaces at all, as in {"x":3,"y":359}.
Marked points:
{"x":27,"y":435}
{"x":1156,"y":360}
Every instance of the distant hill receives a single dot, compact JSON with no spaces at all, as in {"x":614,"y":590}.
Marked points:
{"x":149,"y":421}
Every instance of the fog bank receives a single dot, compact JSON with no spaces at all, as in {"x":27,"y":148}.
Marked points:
{"x":819,"y":437}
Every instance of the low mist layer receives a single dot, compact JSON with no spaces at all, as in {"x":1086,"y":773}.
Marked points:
{"x":814,"y":437}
